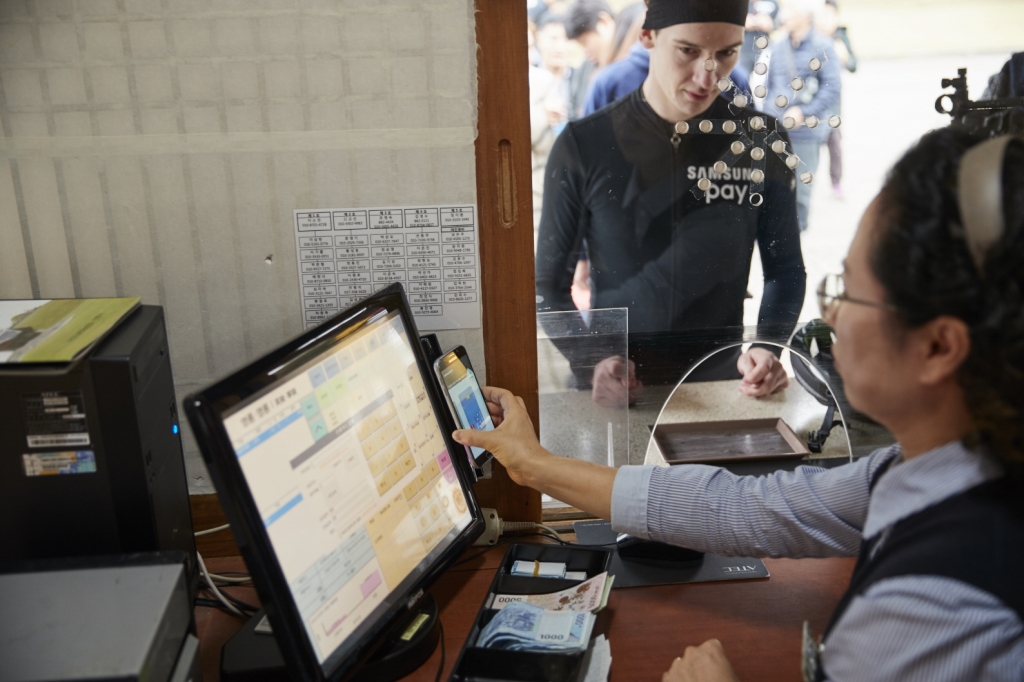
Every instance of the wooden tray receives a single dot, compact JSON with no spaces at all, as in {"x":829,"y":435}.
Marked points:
{"x":727,"y":441}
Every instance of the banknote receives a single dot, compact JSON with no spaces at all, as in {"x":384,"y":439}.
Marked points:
{"x":522,"y":626}
{"x":591,"y":595}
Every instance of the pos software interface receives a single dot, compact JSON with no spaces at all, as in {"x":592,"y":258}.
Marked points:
{"x":339,"y":477}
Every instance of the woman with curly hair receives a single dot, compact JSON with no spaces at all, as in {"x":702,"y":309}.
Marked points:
{"x":928,"y":317}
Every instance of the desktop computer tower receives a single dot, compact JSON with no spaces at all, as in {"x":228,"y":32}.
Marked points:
{"x":90,"y":455}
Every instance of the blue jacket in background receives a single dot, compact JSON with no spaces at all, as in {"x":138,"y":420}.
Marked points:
{"x":789,"y":62}
{"x":623,"y":77}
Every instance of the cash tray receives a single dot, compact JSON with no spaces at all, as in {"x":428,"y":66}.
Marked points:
{"x":479,"y":664}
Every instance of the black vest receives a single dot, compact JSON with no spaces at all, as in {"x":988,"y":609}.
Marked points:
{"x":976,"y":537}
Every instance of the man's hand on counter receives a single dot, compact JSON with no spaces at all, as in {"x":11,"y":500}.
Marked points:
{"x":763,"y":373}
{"x":615,"y":383}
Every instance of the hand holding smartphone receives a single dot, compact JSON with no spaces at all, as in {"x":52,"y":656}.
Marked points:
{"x":466,"y":400}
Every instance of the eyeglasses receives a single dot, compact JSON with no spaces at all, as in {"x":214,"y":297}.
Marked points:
{"x":832,"y":291}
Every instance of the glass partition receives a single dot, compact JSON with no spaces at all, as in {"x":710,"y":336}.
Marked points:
{"x":583,"y":384}
{"x":726,"y":210}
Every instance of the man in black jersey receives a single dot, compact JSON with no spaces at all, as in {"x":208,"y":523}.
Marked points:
{"x":668,"y":230}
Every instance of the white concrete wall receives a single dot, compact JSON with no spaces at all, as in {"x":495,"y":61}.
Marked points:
{"x":157,"y":148}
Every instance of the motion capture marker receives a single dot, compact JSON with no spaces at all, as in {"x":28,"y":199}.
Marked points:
{"x":761,"y":43}
{"x":757,"y":123}
{"x":757,"y":153}
{"x":760,"y":68}
{"x":789,"y":123}
{"x":760,"y":92}
{"x":756,"y":199}
{"x":706,"y":126}
{"x":682,"y":127}
{"x":724,"y":84}
{"x":781,"y":101}
{"x":797,"y":84}
{"x":815,"y":64}
{"x":793,"y":161}
{"x":778,"y":146}
{"x":710,"y":65}
{"x":720,"y":167}
{"x":811,"y":121}
{"x":757,"y":176}
{"x":807,"y":177}
{"x":835,"y":121}
{"x":740,"y":101}
{"x":737,"y":148}
{"x":729,"y":127}
{"x":704,"y":184}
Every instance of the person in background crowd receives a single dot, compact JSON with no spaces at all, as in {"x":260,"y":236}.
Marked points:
{"x":761,"y":16}
{"x":1009,"y":82}
{"x":819,"y":96}
{"x":828,"y":26}
{"x":591,"y":23}
{"x":548,"y":93}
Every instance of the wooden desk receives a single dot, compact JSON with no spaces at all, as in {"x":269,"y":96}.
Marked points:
{"x":758,"y":621}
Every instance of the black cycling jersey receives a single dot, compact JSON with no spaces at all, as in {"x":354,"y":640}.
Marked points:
{"x":620,"y":184}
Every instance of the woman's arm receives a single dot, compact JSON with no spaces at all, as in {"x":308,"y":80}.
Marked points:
{"x":581,"y":484}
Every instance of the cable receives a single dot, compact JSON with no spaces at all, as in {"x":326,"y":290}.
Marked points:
{"x":232,"y":580}
{"x":505,"y":540}
{"x":206,"y":574}
{"x":440,"y":667}
{"x":212,"y":530}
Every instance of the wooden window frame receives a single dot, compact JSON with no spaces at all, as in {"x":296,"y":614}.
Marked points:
{"x":505,"y":203}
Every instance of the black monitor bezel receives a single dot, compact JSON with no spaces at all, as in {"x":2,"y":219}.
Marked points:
{"x":204,"y":410}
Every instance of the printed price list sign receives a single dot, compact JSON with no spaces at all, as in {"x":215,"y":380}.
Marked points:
{"x":346,"y":254}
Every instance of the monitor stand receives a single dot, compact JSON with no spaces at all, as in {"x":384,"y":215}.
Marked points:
{"x":251,"y":656}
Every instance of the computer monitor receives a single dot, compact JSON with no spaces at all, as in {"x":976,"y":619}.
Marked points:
{"x":336,"y":475}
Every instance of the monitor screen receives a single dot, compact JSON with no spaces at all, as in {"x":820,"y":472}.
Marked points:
{"x":348,"y":470}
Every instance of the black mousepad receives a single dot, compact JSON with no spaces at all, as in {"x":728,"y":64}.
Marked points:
{"x":632,"y":574}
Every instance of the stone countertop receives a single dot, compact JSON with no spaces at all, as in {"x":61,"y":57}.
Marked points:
{"x":571,"y":424}
{"x":722,"y":401}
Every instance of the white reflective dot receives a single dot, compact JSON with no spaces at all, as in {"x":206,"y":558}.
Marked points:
{"x":729,"y":127}
{"x":706,"y":126}
{"x":710,"y":65}
{"x":760,"y":92}
{"x":720,"y":167}
{"x":797,"y":84}
{"x":724,"y":84}
{"x":811,"y":121}
{"x":835,"y":121}
{"x":761,"y":42}
{"x":789,"y":123}
{"x":760,"y":68}
{"x":757,"y":153}
{"x":737,"y":147}
{"x":757,"y":176}
{"x":682,"y":127}
{"x":815,"y":64}
{"x":793,"y":161}
{"x":778,"y":146}
{"x":756,"y":199}
{"x":757,"y":123}
{"x":807,"y":177}
{"x":781,"y":101}
{"x":740,"y":101}
{"x":704,"y":184}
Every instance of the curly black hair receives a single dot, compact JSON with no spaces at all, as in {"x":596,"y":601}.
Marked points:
{"x":922,"y":260}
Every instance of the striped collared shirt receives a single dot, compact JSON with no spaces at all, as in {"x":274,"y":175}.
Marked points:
{"x":905,"y":628}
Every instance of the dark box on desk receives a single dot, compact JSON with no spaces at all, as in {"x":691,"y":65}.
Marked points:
{"x":476,"y":663}
{"x":127,"y":491}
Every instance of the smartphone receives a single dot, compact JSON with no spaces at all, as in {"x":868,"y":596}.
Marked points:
{"x":466,"y":400}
